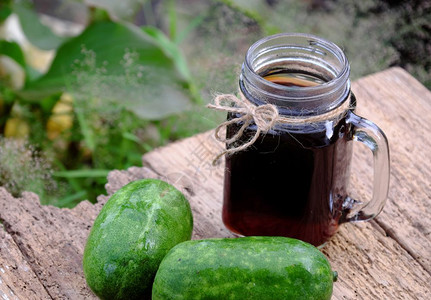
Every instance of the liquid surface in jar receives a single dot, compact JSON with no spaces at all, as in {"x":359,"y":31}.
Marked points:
{"x":292,"y":79}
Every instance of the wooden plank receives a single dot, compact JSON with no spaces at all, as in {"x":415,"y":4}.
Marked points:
{"x":50,"y":241}
{"x":17,"y":279}
{"x":401,"y":106}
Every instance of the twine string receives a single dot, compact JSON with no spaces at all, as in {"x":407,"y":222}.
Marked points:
{"x":264,"y":116}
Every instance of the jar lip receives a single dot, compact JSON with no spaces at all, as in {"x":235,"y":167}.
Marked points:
{"x":340,"y":78}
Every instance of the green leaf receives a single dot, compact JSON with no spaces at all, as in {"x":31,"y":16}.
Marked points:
{"x":123,"y":10}
{"x":87,"y":133}
{"x":252,"y":9}
{"x":71,"y":199}
{"x":37,"y":33}
{"x":170,"y":49}
{"x":172,"y":13}
{"x":32,"y":74}
{"x":118,"y":64}
{"x":98,"y":14}
{"x":82,"y":173}
{"x":5,"y":10}
{"x":193,"y":24}
{"x":131,"y":137}
{"x":12,"y":50}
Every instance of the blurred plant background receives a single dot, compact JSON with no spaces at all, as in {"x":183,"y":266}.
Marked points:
{"x":89,"y":86}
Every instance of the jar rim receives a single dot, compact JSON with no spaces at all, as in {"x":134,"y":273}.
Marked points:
{"x":314,"y":43}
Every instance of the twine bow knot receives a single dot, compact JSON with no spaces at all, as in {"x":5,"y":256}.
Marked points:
{"x":264,"y":116}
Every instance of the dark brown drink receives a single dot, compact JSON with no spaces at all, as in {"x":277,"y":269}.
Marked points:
{"x":288,"y":183}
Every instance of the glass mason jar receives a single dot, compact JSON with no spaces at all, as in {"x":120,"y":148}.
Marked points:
{"x":292,"y":181}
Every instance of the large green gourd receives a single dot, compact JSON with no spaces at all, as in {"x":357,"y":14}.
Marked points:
{"x":135,"y":229}
{"x":244,"y":268}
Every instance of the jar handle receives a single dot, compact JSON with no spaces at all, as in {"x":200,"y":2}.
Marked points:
{"x":373,"y":137}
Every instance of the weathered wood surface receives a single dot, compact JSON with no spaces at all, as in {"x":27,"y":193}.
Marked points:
{"x":388,"y":258}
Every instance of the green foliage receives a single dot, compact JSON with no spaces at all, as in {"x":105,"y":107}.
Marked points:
{"x":124,"y":10}
{"x":82,"y":173}
{"x":38,"y":34}
{"x":5,"y":10}
{"x":413,"y":39}
{"x":118,"y":79}
{"x":23,"y":168}
{"x":253,"y":10}
{"x":12,"y":50}
{"x":112,"y":52}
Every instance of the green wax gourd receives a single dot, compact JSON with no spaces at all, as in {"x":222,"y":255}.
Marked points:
{"x":244,"y":268}
{"x":135,"y":229}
